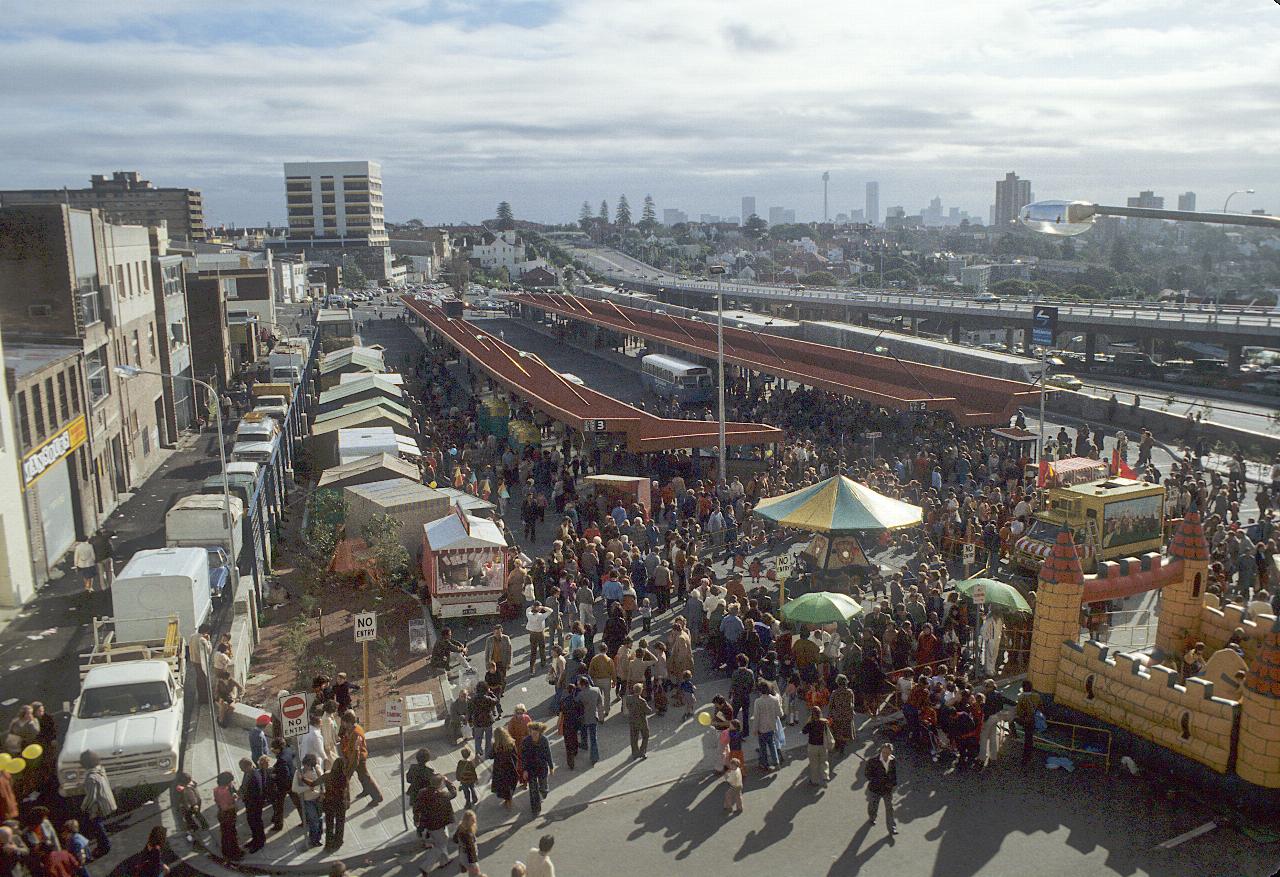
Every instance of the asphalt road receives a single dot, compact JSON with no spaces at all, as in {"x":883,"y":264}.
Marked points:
{"x":1258,"y":416}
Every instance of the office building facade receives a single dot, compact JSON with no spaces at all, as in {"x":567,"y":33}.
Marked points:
{"x":748,"y":208}
{"x":1012,"y":194}
{"x":127,"y":199}
{"x":1187,"y":201}
{"x":871,"y":212}
{"x":335,"y":213}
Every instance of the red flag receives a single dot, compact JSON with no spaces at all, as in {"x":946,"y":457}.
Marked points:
{"x":1046,"y":472}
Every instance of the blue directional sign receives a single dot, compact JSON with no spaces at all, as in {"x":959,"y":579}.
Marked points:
{"x":1044,"y":325}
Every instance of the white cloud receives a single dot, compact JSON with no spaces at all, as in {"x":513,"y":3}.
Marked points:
{"x":548,"y":103}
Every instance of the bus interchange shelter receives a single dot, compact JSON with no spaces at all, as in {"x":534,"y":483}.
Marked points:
{"x":577,"y":406}
{"x":972,"y":399}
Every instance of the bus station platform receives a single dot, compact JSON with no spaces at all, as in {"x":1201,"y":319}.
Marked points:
{"x":525,"y":375}
{"x":972,"y":399}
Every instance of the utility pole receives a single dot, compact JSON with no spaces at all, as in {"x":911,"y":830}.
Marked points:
{"x":718,"y":271}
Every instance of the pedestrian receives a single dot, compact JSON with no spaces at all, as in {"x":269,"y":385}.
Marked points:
{"x":882,"y":777}
{"x":151,"y":862}
{"x":1025,"y":710}
{"x":259,"y":741}
{"x":733,"y":788}
{"x":227,"y":802}
{"x":343,"y":689}
{"x":995,"y":712}
{"x":505,"y":767}
{"x":602,"y":673}
{"x":308,"y":783}
{"x":86,"y":564}
{"x":498,"y":651}
{"x":75,"y":843}
{"x":687,"y":693}
{"x":539,"y":864}
{"x":840,"y":711}
{"x":481,"y":712}
{"x":436,"y":813}
{"x":467,"y":775}
{"x":254,"y":792}
{"x":818,"y":732}
{"x":54,"y":862}
{"x":312,"y":742}
{"x":638,"y":711}
{"x":99,"y":801}
{"x":282,"y":772}
{"x":465,"y":840}
{"x":355,"y":755}
{"x":766,"y":714}
{"x":190,"y":804}
{"x":537,"y":617}
{"x":535,"y":756}
{"x":335,"y":802}
{"x":571,"y":727}
{"x":591,"y":701}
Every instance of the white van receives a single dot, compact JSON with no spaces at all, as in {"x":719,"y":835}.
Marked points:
{"x":156,"y":584}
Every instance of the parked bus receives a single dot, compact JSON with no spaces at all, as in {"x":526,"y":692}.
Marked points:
{"x":672,"y":378}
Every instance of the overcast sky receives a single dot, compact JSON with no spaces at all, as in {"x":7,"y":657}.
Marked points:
{"x":547,"y":104}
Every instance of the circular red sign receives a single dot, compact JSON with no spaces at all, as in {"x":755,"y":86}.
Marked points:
{"x":293,"y":706}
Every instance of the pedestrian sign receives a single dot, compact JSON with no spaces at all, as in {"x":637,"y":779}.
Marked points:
{"x":783,"y":564}
{"x":979,"y":594}
{"x":970,"y":552}
{"x":366,"y":626}
{"x":595,"y":426}
{"x":293,"y":714}
{"x":873,"y":435}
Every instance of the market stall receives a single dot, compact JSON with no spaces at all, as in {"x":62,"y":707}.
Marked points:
{"x":629,"y":489}
{"x":464,"y":563}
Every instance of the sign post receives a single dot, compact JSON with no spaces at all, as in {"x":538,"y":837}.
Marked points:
{"x":366,"y":629}
{"x":395,"y":718}
{"x":783,"y":564}
{"x":873,"y":436}
{"x":979,"y":597}
{"x":1044,"y":329}
{"x":294,"y":712}
{"x":970,"y":555}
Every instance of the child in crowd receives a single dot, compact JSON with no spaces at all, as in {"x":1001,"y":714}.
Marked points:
{"x":646,"y":615}
{"x":189,"y":802}
{"x":687,"y":693}
{"x":467,"y":776}
{"x":733,"y":787}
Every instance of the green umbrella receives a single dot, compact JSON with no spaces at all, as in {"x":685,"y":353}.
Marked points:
{"x":821,"y":607}
{"x":997,"y":594}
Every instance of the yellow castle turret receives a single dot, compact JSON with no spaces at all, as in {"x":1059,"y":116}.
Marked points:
{"x":1258,"y":752}
{"x":1182,"y":600}
{"x":1057,"y":618}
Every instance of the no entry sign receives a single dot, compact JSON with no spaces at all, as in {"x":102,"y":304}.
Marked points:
{"x":366,"y":626}
{"x":293,"y":714}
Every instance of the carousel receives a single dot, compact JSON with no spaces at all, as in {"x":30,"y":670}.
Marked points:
{"x":844,"y":517}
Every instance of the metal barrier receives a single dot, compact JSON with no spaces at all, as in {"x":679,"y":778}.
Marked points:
{"x":1077,"y":743}
{"x":1127,"y":628}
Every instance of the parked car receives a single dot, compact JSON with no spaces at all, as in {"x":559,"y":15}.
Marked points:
{"x":1065,"y":382}
{"x":985,"y":297}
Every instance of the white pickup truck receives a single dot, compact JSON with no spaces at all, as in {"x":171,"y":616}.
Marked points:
{"x":129,"y":712}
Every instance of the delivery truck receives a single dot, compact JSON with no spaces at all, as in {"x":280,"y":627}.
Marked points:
{"x":200,"y":520}
{"x":156,"y":584}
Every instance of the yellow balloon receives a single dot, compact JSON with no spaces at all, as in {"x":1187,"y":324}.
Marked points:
{"x":704,"y":719}
{"x":32,"y":752}
{"x":15,"y":765}
{"x":5,"y":758}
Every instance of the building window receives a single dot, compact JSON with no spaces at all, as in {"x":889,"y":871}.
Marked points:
{"x":24,"y":421}
{"x":73,"y":378}
{"x":97,"y":375}
{"x":137,"y":348}
{"x":37,"y":408}
{"x":49,"y":399}
{"x":151,"y":340}
{"x":90,"y":303}
{"x":63,"y":409}
{"x":177,"y":335}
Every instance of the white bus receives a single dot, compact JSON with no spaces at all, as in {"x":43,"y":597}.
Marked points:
{"x":677,"y":379}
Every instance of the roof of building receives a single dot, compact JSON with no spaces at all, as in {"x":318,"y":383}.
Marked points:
{"x":1188,"y":540}
{"x":355,"y":388}
{"x":1062,"y":566}
{"x":365,"y":417}
{"x":394,"y":492}
{"x":378,"y":402}
{"x":25,"y":359}
{"x":363,"y":470}
{"x":361,"y":357}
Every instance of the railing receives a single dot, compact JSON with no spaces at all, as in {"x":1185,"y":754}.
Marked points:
{"x":1078,"y":744}
{"x":1126,"y":628}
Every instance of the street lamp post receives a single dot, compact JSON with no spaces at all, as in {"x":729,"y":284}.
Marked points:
{"x":718,"y":272}
{"x":1232,"y":195}
{"x":128,"y":371}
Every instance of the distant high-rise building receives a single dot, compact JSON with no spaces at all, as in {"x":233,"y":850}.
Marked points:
{"x":708,"y":217}
{"x":673,"y":217}
{"x":776,"y":215}
{"x":857,"y":216}
{"x":933,"y":213}
{"x":1187,"y":201}
{"x":335,"y":213}
{"x":126,"y":198}
{"x":826,"y":178}
{"x":1147,"y":198}
{"x":1012,"y":194}
{"x":788,"y":216}
{"x":748,"y":207}
{"x":873,"y":203}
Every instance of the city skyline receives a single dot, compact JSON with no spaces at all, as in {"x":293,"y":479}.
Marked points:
{"x":446,"y":97}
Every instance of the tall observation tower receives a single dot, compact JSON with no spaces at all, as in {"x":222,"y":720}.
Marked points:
{"x":826,"y":176}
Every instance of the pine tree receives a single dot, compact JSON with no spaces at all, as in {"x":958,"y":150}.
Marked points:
{"x":604,"y":212}
{"x":622,"y":216}
{"x":506,"y":219}
{"x":648,"y":215}
{"x":585,"y":218}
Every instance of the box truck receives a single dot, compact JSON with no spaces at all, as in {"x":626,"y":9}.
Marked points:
{"x":156,"y":584}
{"x":200,"y":520}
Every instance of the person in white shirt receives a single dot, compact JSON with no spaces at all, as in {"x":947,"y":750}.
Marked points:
{"x":540,"y":864}
{"x":312,"y":743}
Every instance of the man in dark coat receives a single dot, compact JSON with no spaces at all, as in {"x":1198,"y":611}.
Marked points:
{"x":882,"y":778}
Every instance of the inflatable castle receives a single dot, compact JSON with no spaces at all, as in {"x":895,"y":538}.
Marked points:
{"x":1229,"y":724}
